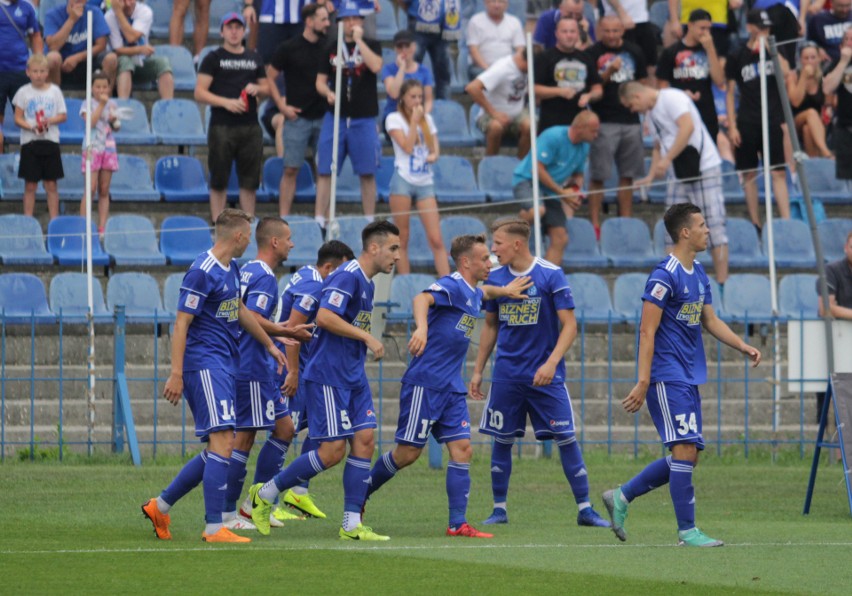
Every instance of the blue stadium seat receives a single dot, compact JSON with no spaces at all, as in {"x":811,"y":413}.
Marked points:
{"x":73,"y":130}
{"x":455,"y":181}
{"x":626,"y":242}
{"x":136,"y":130}
{"x":582,"y":249}
{"x":519,"y":9}
{"x":383,"y":177}
{"x":11,"y":187}
{"x":404,"y":288}
{"x":797,"y":297}
{"x":658,"y":189}
{"x":716,"y":296}
{"x":21,"y":241}
{"x":350,"y":231}
{"x":140,"y":296}
{"x":833,"y":233}
{"x":11,"y":133}
{"x":171,"y":292}
{"x":307,"y":238}
{"x":386,"y":25}
{"x":206,"y":50}
{"x":731,"y":187}
{"x":459,"y":225}
{"x":132,"y":181}
{"x":218,"y":9}
{"x":627,"y":295}
{"x":183,"y":68}
{"x":181,"y":179}
{"x":823,"y":182}
{"x":73,"y":186}
{"x":177,"y":122}
{"x":183,"y":238}
{"x":67,"y":243}
{"x":419,"y":253}
{"x":494,"y":175}
{"x":69,"y":298}
{"x":743,"y":245}
{"x":162,"y":15}
{"x":451,"y":122}
{"x":273,"y":169}
{"x":793,"y":243}
{"x":131,"y":240}
{"x":22,"y":299}
{"x":747,"y":295}
{"x":591,"y":298}
{"x":261,"y":196}
{"x":458,"y":71}
{"x":348,"y":184}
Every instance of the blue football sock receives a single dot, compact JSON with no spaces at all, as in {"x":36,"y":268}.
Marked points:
{"x":383,"y":471}
{"x":236,"y":478}
{"x":458,"y":488}
{"x":574,"y":468}
{"x":501,"y":468}
{"x":215,"y":484}
{"x":302,"y":468}
{"x":270,"y":459}
{"x":308,"y":445}
{"x":356,"y":473}
{"x":683,"y":493}
{"x":188,"y":478}
{"x":654,"y":475}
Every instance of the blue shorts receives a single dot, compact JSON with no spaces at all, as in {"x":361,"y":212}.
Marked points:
{"x":210,"y":395}
{"x":338,"y":412}
{"x":549,"y":409}
{"x":358,"y":139}
{"x":422,"y":410}
{"x":399,"y":186}
{"x":259,"y":405}
{"x":675,"y":409}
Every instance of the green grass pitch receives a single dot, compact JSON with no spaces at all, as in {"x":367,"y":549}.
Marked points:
{"x":76,"y":528}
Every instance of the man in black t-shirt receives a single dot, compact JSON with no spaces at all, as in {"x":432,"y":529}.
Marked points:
{"x":839,"y":81}
{"x":301,"y":105}
{"x":359,"y":106}
{"x":692,"y":65}
{"x":742,"y":71}
{"x":230,"y":79}
{"x":566,"y":79}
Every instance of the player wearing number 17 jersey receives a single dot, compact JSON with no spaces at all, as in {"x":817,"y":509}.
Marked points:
{"x":532,"y":336}
{"x":677,"y":302}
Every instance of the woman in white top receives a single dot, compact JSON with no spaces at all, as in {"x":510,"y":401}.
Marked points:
{"x":415,"y":147}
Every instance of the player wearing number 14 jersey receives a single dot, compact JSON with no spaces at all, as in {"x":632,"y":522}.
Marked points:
{"x":677,"y":302}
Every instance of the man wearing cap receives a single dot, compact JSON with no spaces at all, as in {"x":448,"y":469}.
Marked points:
{"x":359,"y":106}
{"x":230,"y":79}
{"x":742,"y":71}
{"x":405,"y":67}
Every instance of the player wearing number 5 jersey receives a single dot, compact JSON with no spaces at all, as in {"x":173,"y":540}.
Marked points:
{"x":677,"y":301}
{"x":433,"y":394}
{"x":532,"y":336}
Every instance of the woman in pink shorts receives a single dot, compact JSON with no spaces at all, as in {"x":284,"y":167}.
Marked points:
{"x":104,"y":154}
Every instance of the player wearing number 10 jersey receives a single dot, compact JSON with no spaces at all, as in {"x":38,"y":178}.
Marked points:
{"x":677,"y":302}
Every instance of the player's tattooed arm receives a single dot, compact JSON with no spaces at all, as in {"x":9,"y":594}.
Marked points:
{"x":420,"y":307}
{"x":720,"y":330}
{"x":487,"y":340}
{"x":174,"y":385}
{"x":514,"y":290}
{"x":333,"y":323}
{"x":651,"y":317}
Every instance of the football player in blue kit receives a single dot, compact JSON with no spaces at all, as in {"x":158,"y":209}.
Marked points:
{"x":528,"y":378}
{"x":676,"y":303}
{"x":335,"y":387}
{"x":204,"y":356}
{"x":433,"y":393}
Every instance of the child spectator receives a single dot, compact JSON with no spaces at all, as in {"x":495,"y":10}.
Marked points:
{"x":104,"y":156}
{"x":39,"y":109}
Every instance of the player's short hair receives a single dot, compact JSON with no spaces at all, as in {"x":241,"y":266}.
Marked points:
{"x":309,"y":10}
{"x":334,"y":250}
{"x":629,"y":89}
{"x":37,"y":60}
{"x":381,"y":228}
{"x":230,"y":219}
{"x":267,"y":229}
{"x":678,"y":217}
{"x":462,"y":245}
{"x":512,"y":225}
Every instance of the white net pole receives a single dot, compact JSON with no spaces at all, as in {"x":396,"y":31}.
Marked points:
{"x":332,"y":227}
{"x":90,"y":362}
{"x":533,"y":147}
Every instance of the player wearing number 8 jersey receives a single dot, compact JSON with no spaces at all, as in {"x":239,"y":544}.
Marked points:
{"x":532,"y":336}
{"x":677,"y":301}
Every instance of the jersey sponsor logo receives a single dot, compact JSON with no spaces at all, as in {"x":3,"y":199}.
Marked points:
{"x":229,"y":310}
{"x":306,"y":303}
{"x":436,"y":288}
{"x":691,"y":313}
{"x":520,"y":313}
{"x":466,"y":324}
{"x":659,"y":291}
{"x":370,"y":414}
{"x":191,"y":301}
{"x":262,"y":301}
{"x":465,"y":424}
{"x":336,"y":299}
{"x":364,"y":320}
{"x":559,"y":423}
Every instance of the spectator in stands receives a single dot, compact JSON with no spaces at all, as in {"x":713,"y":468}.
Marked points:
{"x":787,"y":24}
{"x":544,"y":36}
{"x":435,"y":24}
{"x":129,"y":29}
{"x":199,"y":33}
{"x":839,"y":81}
{"x":104,"y":154}
{"x":18,"y":24}
{"x":415,"y":148}
{"x":742,"y":71}
{"x":230,"y":79}
{"x":405,"y":67}
{"x":65,"y":32}
{"x":560,"y":177}
{"x":359,"y":106}
{"x":492,"y":35}
{"x":39,"y":110}
{"x":501,"y":92}
{"x":298,"y":60}
{"x":566,"y":79}
{"x":637,"y":28}
{"x":685,"y":152}
{"x":278,"y":21}
{"x":826,"y":27}
{"x":692,"y":65}
{"x":620,"y":139}
{"x":804,"y":88}
{"x":679,"y":11}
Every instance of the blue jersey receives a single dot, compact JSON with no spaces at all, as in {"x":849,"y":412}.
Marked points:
{"x":451,"y":321}
{"x":302,"y":294}
{"x":21,"y":17}
{"x":211,"y":292}
{"x":529,"y":329}
{"x":335,"y":360}
{"x":259,"y":291}
{"x":678,"y":347}
{"x":76,"y":42}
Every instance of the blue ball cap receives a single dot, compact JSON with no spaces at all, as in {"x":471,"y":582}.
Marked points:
{"x":349,"y":9}
{"x":230,"y":18}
